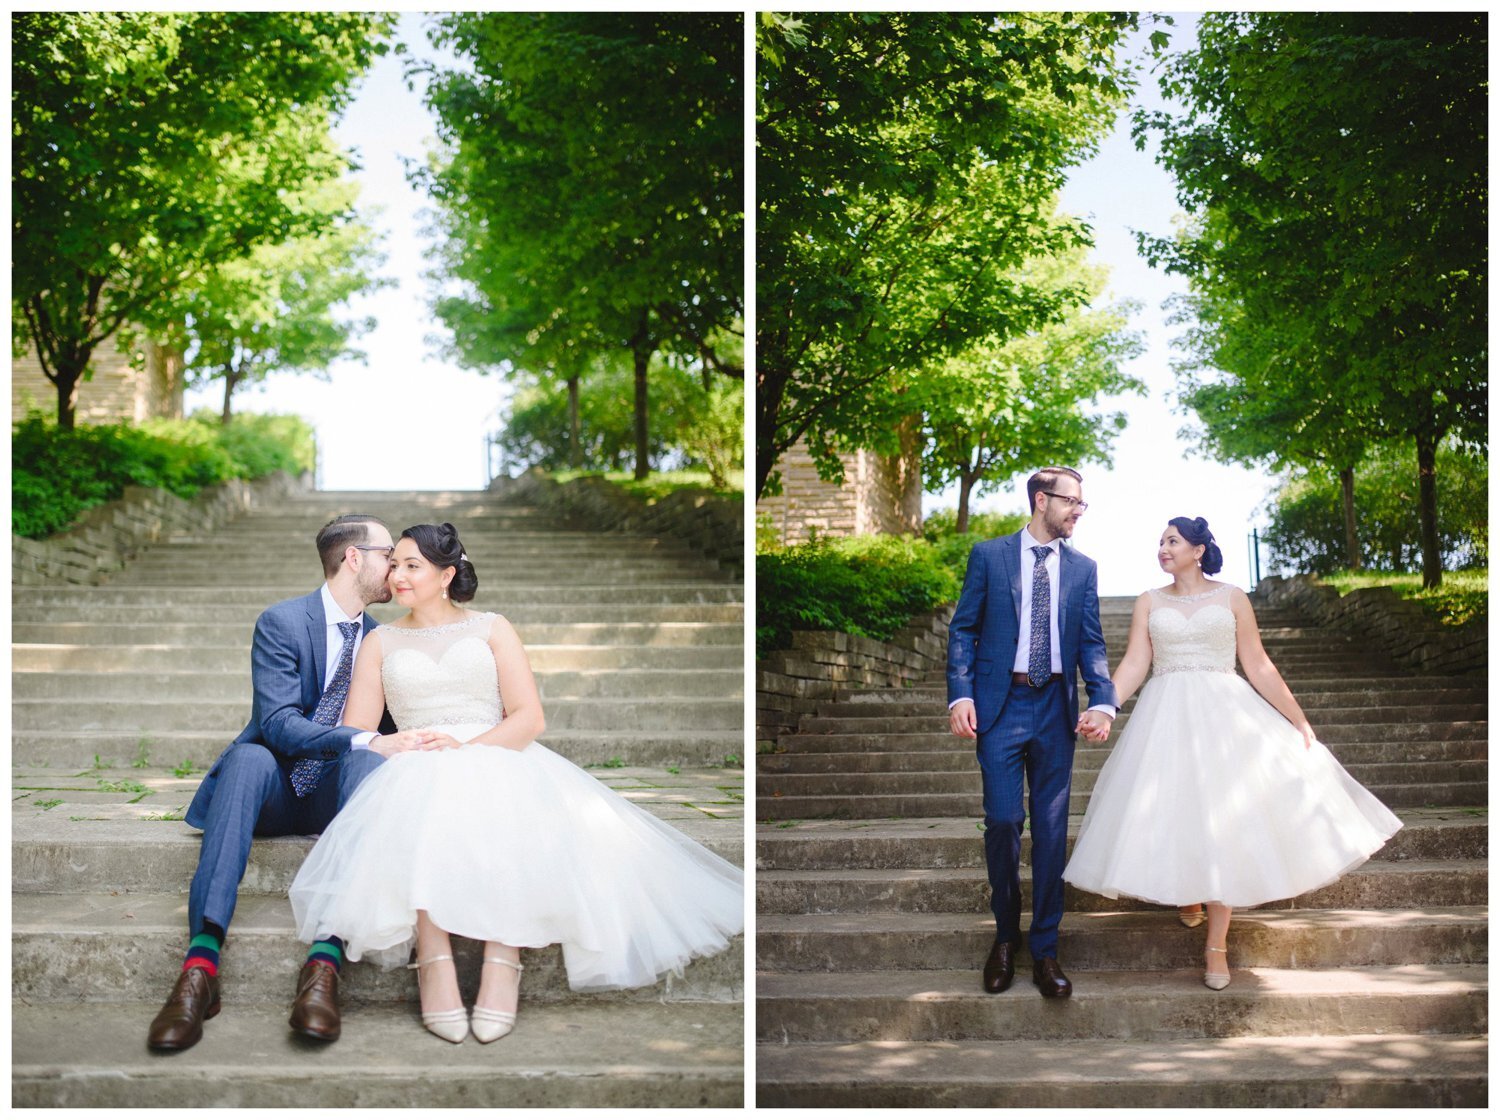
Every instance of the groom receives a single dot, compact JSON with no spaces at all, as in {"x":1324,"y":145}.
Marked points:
{"x":1026,"y":623}
{"x":288,"y":772}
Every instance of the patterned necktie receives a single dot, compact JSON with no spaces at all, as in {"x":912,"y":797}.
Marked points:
{"x":1039,"y":664}
{"x":306,"y":774}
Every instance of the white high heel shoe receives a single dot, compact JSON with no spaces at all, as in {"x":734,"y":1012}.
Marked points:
{"x":451,"y":1025}
{"x":1218,"y":981}
{"x":487,"y":1023}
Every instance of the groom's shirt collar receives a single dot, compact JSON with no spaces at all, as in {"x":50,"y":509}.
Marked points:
{"x":333,"y":614}
{"x":1028,"y":542}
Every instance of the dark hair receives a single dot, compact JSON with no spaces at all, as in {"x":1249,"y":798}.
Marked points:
{"x":439,"y":544}
{"x":335,"y":537}
{"x":1194,"y":530}
{"x":1046,"y":479}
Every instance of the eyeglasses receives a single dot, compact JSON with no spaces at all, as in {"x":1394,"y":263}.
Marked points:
{"x":1072,"y":501}
{"x":388,"y":549}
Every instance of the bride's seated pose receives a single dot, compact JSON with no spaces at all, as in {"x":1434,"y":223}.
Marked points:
{"x":1218,"y":790}
{"x":487,"y":834}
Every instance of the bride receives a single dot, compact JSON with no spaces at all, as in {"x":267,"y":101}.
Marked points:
{"x":1216,"y":790}
{"x":487,"y":834}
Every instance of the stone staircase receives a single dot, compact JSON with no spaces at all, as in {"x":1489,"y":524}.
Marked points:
{"x":124,"y":694}
{"x":873,"y":921}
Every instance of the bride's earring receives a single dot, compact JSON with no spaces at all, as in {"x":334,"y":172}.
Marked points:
{"x":445,"y":593}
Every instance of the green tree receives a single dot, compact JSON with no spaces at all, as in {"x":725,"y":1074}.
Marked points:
{"x":1335,"y":164}
{"x":906,"y":168}
{"x":1005,"y":408}
{"x":149,"y":147}
{"x":589,"y":191}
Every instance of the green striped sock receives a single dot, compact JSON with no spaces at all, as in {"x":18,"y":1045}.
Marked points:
{"x":203,"y":952}
{"x":330,"y":949}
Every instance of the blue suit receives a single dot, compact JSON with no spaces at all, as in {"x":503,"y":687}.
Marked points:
{"x":248,"y":792}
{"x":1024,"y":730}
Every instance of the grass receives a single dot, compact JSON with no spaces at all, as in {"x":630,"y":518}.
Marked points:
{"x":183,"y":769}
{"x":50,"y":803}
{"x":616,"y":763}
{"x":1462,"y":597}
{"x":658,"y":484}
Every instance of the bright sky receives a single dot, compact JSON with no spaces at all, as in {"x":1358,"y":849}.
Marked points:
{"x":1156,"y":476}
{"x":408,"y":420}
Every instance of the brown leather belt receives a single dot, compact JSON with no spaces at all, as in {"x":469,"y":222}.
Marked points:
{"x":1022,"y":678}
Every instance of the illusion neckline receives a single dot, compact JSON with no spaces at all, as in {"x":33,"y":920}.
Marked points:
{"x":1189,"y":598}
{"x":448,"y":627}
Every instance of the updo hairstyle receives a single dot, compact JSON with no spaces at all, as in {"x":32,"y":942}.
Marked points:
{"x":439,"y":545}
{"x":1194,"y":530}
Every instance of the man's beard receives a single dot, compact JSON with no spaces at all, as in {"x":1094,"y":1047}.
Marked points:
{"x":380,"y":593}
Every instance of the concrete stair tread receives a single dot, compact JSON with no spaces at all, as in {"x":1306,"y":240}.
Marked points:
{"x":1290,"y":1071}
{"x":930,"y":985}
{"x":970,"y":874}
{"x":686,"y":1055}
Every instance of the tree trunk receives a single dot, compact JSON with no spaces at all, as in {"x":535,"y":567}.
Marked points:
{"x":1432,"y":559}
{"x":67,"y":381}
{"x":231,"y":382}
{"x":965,"y":488}
{"x":575,"y":438}
{"x":641,"y":348}
{"x":1351,"y":538}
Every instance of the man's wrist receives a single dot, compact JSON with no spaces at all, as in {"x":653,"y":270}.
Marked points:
{"x":961,"y":700}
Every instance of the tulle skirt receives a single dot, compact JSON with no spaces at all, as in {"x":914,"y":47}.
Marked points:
{"x":520,"y":847}
{"x":1211,"y":795}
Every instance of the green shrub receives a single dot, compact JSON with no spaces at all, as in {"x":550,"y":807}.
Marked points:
{"x":56,"y":475}
{"x":859,"y":585}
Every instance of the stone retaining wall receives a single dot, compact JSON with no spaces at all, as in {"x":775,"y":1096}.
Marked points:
{"x":1398,"y":627}
{"x":712,"y":525}
{"x":822,"y":664}
{"x":106,"y":537}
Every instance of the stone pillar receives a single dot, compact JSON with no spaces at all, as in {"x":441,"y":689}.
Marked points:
{"x":880,"y":494}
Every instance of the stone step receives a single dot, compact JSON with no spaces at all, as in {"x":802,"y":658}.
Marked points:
{"x":72,"y":686}
{"x":1328,"y":730}
{"x":896,"y":723}
{"x":931,"y":1005}
{"x":1121,"y":941}
{"x":912,"y":703}
{"x":854,"y":782}
{"x":873,"y":806}
{"x":93,"y":1055}
{"x":545,"y":590}
{"x":1084,"y":759}
{"x":684,"y":716}
{"x":66,"y":750}
{"x":695,"y":634}
{"x":1378,"y":1070}
{"x":103,"y":946}
{"x":949,"y":842}
{"x":1476,"y":745}
{"x":115,"y":845}
{"x":239,"y":617}
{"x":229,"y":658}
{"x":1377,"y":884}
{"x":620,"y":566}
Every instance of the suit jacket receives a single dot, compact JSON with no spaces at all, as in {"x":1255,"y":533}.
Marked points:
{"x":288,"y":661}
{"x":986,"y":629}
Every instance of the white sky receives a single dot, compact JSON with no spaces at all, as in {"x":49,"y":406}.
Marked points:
{"x":408,"y":420}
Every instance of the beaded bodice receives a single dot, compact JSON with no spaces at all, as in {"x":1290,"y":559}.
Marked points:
{"x":441,"y":675}
{"x":1192,"y":634}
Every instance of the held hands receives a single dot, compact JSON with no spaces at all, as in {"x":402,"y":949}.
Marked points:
{"x":961,"y":720}
{"x":418,"y":740}
{"x":1094,"y":726}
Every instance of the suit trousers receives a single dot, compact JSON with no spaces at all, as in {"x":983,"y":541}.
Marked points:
{"x":1033,"y":739}
{"x":254,"y":797}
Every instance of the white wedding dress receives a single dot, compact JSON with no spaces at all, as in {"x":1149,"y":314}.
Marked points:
{"x":1210,"y":794}
{"x":520,"y":847}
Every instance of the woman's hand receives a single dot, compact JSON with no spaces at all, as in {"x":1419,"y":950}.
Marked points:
{"x":441,"y":741}
{"x":1307,"y":734}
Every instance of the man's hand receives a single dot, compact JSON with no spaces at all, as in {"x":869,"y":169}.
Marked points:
{"x":1094,"y":725}
{"x":388,"y":745}
{"x":961,"y":720}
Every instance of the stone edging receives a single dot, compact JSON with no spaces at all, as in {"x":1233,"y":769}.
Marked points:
{"x":823,"y":664}
{"x":710,"y":525}
{"x":1392,"y":624}
{"x":105,"y":537}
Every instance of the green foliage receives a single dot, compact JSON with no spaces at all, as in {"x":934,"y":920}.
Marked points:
{"x":1334,"y":169}
{"x":149,"y":147}
{"x":907,"y":164}
{"x":1307,"y":528}
{"x":1464,"y":596}
{"x":859,"y":585}
{"x":953,"y":547}
{"x":57,"y":474}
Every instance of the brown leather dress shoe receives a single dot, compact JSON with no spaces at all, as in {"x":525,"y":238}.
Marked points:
{"x":315,"y":1011}
{"x":179,"y":1023}
{"x":1047,"y":975}
{"x":1000,"y":967}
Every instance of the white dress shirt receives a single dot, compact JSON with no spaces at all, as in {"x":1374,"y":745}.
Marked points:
{"x":334,"y":614}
